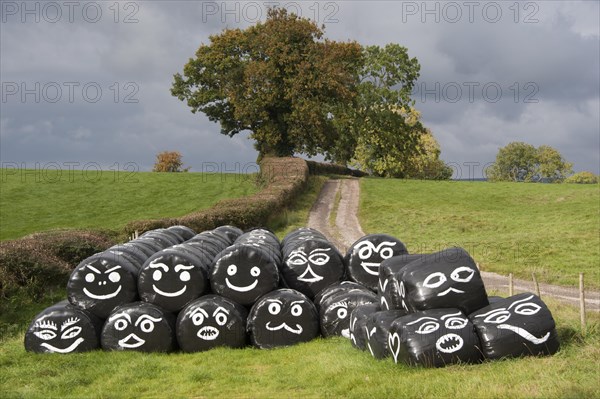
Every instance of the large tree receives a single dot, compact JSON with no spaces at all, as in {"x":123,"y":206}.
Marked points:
{"x":281,"y":80}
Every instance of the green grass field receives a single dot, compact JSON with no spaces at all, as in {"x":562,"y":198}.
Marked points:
{"x":550,"y":229}
{"x":35,"y":202}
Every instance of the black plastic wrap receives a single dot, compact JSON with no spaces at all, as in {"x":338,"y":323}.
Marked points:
{"x":358,"y":322}
{"x":388,"y":286}
{"x":184,"y":232}
{"x":334,"y":289}
{"x":516,"y":326}
{"x":377,"y":331}
{"x":63,"y":328}
{"x":335,"y":310}
{"x":231,"y":232}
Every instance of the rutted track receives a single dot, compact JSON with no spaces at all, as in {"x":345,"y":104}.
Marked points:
{"x":346,"y":229}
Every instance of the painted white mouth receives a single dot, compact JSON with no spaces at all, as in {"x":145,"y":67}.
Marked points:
{"x":131,"y":341}
{"x":451,"y":289}
{"x":449,"y":343}
{"x":315,"y":277}
{"x":525,"y":334}
{"x":69,"y":349}
{"x":297,"y":331}
{"x":371,"y":267}
{"x":241,"y":289}
{"x":346,"y":333}
{"x":208,"y":333}
{"x":169,"y":294}
{"x":107,"y":296}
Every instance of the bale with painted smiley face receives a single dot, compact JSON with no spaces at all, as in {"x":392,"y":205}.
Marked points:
{"x":358,"y":322}
{"x":434,"y":338}
{"x":281,"y":318}
{"x":102,"y":282}
{"x":243,"y":273}
{"x":389,"y":286}
{"x":209,"y":322}
{"x":445,"y":279}
{"x":520,"y":325}
{"x":63,"y":328}
{"x":139,"y":326}
{"x":335,"y":308}
{"x":365,"y":256}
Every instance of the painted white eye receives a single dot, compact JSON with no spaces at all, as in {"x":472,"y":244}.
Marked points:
{"x":462,"y":274}
{"x":434,"y":280}
{"x":497,"y":317}
{"x":221,"y":318}
{"x":296,"y":310}
{"x":147,"y":326}
{"x":386,"y":253}
{"x":90,"y":277}
{"x":297,"y":260}
{"x":45,"y":334}
{"x":365,"y":252}
{"x":255,"y":271}
{"x":197,"y":319}
{"x":274,"y":308}
{"x":527,"y":308}
{"x":71,"y":332}
{"x":120,"y":324}
{"x":342,"y":313}
{"x":114,"y":277}
{"x":157,"y":275}
{"x":319,"y":259}
{"x":428,"y":327}
{"x":456,"y":323}
{"x":231,"y":270}
{"x":401,"y":289}
{"x":184,"y":276}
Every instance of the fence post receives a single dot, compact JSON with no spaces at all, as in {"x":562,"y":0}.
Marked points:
{"x":536,"y":285}
{"x":582,"y":304}
{"x":510,"y":285}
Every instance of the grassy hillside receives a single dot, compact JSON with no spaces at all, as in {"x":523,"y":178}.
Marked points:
{"x":34,"y":202}
{"x":549,"y":229}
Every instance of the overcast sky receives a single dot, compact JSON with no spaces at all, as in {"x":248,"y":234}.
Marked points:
{"x":88,"y":82}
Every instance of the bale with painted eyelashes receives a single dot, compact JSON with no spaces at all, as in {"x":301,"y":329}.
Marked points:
{"x":434,"y":338}
{"x":139,"y":326}
{"x":209,"y":322}
{"x":377,"y":329}
{"x":520,"y":325}
{"x":445,"y":279}
{"x":282,"y":318}
{"x":63,"y":328}
{"x":365,"y":256}
{"x":358,"y":322}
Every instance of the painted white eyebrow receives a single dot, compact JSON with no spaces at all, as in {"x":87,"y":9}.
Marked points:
{"x":444,"y":317}
{"x":119,"y":315}
{"x":69,"y":322}
{"x":220,"y":308}
{"x":421,"y":318}
{"x":320,"y":250}
{"x":199,"y":310}
{"x":296,"y":302}
{"x":183,"y":267}
{"x":159,"y":266}
{"x":275,"y":300}
{"x":298,"y":251}
{"x":92,"y":268}
{"x":491,"y":311}
{"x":386,"y":243}
{"x":146,"y":316}
{"x":112,"y":268}
{"x":519,"y":301}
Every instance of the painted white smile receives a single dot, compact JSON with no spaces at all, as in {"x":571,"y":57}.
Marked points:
{"x":69,"y":349}
{"x":241,"y":289}
{"x":297,"y":330}
{"x":208,"y":333}
{"x":131,"y":341}
{"x":314,"y":277}
{"x":107,"y":296}
{"x":525,"y":334}
{"x":371,"y":267}
{"x":451,"y":289}
{"x":169,"y":294}
{"x":346,"y":333}
{"x":449,"y":343}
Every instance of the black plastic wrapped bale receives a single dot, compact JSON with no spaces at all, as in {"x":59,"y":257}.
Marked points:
{"x":434,"y":338}
{"x":281,"y":318}
{"x":165,"y":238}
{"x":243,"y":274}
{"x":63,"y":328}
{"x":230,"y":231}
{"x":173,"y":277}
{"x":139,"y":252}
{"x":389,"y":286}
{"x":334,"y":289}
{"x":335,"y":310}
{"x":445,"y":279}
{"x":377,"y":331}
{"x":139,"y":326}
{"x":219,"y":236}
{"x":148,"y":243}
{"x":102,"y":282}
{"x":365,"y":256}
{"x":516,"y":326}
{"x":209,"y":322}
{"x":134,"y":260}
{"x":206,"y":244}
{"x":358,"y":322}
{"x":312,"y":266}
{"x":185,"y":232}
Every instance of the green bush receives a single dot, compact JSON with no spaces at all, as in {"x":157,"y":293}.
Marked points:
{"x":583,"y":178}
{"x":320,"y":168}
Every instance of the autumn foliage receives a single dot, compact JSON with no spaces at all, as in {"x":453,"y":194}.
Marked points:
{"x":169,"y":161}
